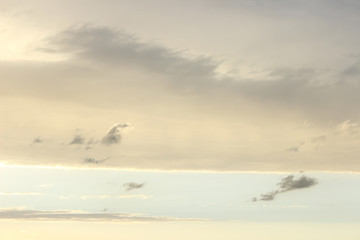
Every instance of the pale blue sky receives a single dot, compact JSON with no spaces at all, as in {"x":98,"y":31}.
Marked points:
{"x":214,"y":196}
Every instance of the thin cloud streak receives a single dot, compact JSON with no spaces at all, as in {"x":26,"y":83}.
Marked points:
{"x":67,"y":215}
{"x":139,"y":196}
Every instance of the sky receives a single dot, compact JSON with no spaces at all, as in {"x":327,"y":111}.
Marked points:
{"x":205,"y":118}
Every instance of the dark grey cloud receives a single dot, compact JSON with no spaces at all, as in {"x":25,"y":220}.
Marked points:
{"x":133,"y":185}
{"x":34,"y":215}
{"x":289,"y":183}
{"x":94,"y":161}
{"x":114,"y":134}
{"x":78,"y":139}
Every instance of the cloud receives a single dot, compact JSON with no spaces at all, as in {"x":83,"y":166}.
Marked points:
{"x":319,"y":139}
{"x":78,"y":139}
{"x":133,"y":185}
{"x":94,"y":161}
{"x":114,"y":134}
{"x":289,"y":87}
{"x":268,"y":196}
{"x":67,"y":215}
{"x":91,"y":141}
{"x":139,"y":196}
{"x":38,"y":140}
{"x":112,"y":47}
{"x":348,"y":127}
{"x":295,"y":148}
{"x":288,"y":183}
{"x":113,"y":75}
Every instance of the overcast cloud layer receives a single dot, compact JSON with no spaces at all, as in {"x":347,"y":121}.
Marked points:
{"x":260,"y":97}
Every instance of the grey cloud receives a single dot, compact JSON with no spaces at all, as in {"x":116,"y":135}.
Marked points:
{"x":78,"y":139}
{"x":318,"y":140}
{"x":91,"y":141}
{"x":295,"y":148}
{"x":93,"y":160}
{"x":34,"y":215}
{"x":110,"y":46}
{"x":268,"y":196}
{"x":293,"y":88}
{"x":289,"y":183}
{"x":133,"y":185}
{"x":351,"y":71}
{"x":38,"y":140}
{"x":114,"y":134}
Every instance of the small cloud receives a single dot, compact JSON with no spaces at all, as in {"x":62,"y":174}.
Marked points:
{"x":289,"y":183}
{"x":114,"y":134}
{"x":78,"y":139}
{"x":295,"y":148}
{"x":93,"y":160}
{"x":133,"y":185}
{"x":38,"y":140}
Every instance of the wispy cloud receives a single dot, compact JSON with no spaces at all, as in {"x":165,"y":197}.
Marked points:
{"x":78,"y":139}
{"x":112,"y":47}
{"x":139,"y":196}
{"x":94,"y":161}
{"x":286,"y":184}
{"x":349,"y":127}
{"x":67,"y":215}
{"x":296,"y":148}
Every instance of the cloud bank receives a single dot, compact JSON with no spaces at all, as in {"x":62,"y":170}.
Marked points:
{"x":190,"y":116}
